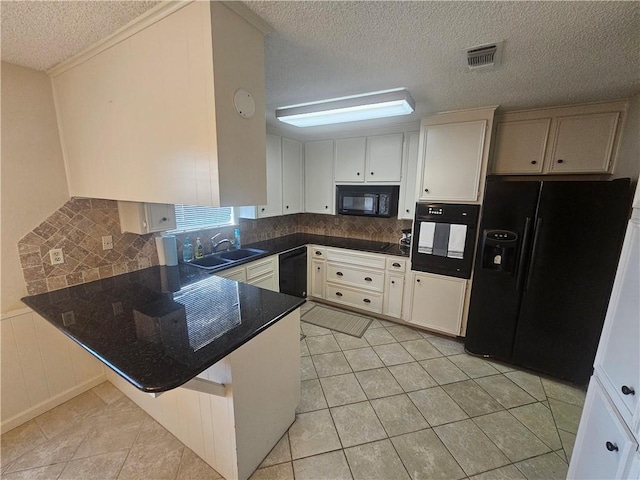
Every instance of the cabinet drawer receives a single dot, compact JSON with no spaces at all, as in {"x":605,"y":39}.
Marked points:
{"x":356,"y":277}
{"x":317,"y":252}
{"x":261,"y":267}
{"x":355,"y":258}
{"x":357,"y":298}
{"x":236,"y":274}
{"x":396,"y":264}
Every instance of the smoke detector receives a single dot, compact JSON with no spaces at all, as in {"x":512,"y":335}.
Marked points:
{"x":484,"y":57}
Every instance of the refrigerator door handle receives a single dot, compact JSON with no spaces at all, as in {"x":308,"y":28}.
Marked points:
{"x":523,"y":258}
{"x":534,"y":250}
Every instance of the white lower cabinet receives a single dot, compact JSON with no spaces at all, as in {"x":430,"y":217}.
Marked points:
{"x":393,"y":295}
{"x":437,"y":302}
{"x":261,"y":273}
{"x":605,"y":446}
{"x":317,"y":278}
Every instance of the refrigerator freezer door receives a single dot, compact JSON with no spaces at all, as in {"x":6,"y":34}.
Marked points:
{"x":509,"y":210}
{"x":577,"y":241}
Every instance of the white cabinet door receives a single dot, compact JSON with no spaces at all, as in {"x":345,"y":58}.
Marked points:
{"x":618,"y":358}
{"x":520,"y":146}
{"x":292,"y":177}
{"x":393,"y":295}
{"x":604,"y":446}
{"x":236,"y":274}
{"x":267,"y":281}
{"x":437,"y":302}
{"x":319,"y":196}
{"x":274,"y":179}
{"x":452,"y":161}
{"x":409,"y":174}
{"x":350,"y":159}
{"x":384,"y":158}
{"x":317,"y":278}
{"x":583,"y":143}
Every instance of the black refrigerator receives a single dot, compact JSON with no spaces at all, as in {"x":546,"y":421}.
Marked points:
{"x":545,"y":264}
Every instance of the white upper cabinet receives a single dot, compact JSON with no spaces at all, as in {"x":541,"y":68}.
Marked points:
{"x":583,"y":143}
{"x":273,"y":206}
{"x":409,"y":174}
{"x":454,"y":151}
{"x":369,"y":159}
{"x":350,"y":159}
{"x":319,"y":196}
{"x":292,"y":177}
{"x":577,"y":139}
{"x":384,"y":158}
{"x":149,"y":114}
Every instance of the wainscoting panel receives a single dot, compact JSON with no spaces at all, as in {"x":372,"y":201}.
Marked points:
{"x":40,"y":368}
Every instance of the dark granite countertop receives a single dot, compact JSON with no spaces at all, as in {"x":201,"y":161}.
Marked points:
{"x":161,"y":326}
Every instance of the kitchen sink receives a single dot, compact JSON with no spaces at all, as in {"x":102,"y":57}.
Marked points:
{"x":240,"y":253}
{"x":225,"y":258}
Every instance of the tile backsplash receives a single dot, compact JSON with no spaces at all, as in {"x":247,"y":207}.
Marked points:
{"x":77,"y":228}
{"x":79,"y":225}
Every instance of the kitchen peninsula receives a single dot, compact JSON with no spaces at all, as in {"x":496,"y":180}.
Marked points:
{"x":214,"y":361}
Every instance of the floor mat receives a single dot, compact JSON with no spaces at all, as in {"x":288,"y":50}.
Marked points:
{"x":342,"y":322}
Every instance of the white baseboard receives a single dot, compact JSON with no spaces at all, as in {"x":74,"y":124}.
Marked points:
{"x":33,"y":412}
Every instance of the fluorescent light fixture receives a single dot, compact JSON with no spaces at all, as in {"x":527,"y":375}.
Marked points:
{"x":367,"y":106}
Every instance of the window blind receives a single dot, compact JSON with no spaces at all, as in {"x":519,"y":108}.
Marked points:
{"x":192,"y":217}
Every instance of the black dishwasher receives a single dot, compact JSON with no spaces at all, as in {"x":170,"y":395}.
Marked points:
{"x":293,"y":272}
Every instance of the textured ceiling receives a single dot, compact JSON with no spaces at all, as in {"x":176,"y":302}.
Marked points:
{"x":554,"y":52}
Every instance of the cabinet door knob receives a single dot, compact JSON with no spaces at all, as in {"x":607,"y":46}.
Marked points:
{"x":164,"y":219}
{"x":628,"y":390}
{"x":366,"y":300}
{"x":287,"y":206}
{"x":418,"y":280}
{"x":318,"y":252}
{"x":612,"y":447}
{"x":560,"y":161}
{"x":318,"y":268}
{"x":262,"y":209}
{"x":371,"y":173}
{"x":358,"y":173}
{"x":393,"y":282}
{"x":368,"y":279}
{"x":339,"y":274}
{"x":338,"y":294}
{"x":533,"y":162}
{"x":407,"y":210}
{"x":396,"y":264}
{"x":426,"y":190}
{"x":326,"y":206}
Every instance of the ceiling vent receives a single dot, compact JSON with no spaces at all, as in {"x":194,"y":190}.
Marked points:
{"x":484,"y":57}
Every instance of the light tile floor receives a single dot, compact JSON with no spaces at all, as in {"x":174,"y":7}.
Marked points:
{"x":396,"y":404}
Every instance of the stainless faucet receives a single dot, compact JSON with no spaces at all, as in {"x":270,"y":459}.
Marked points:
{"x":215,"y":245}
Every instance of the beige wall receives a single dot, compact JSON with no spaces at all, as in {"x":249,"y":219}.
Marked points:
{"x":628,"y":161}
{"x":33,"y":178}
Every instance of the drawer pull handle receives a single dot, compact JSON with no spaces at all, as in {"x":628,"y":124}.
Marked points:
{"x":560,"y":161}
{"x":533,"y":162}
{"x":318,"y":252}
{"x":338,"y":294}
{"x":366,"y":300}
{"x":368,"y":279}
{"x":628,"y":390}
{"x":164,"y":219}
{"x":326,"y":206}
{"x":396,"y":264}
{"x":262,"y":209}
{"x":426,"y":190}
{"x":287,"y":206}
{"x":612,"y":447}
{"x":340,"y":274}
{"x":418,"y":280}
{"x":358,"y":173}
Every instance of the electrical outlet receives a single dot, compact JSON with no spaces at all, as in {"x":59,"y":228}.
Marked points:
{"x":68,"y":318}
{"x":56,"y":256}
{"x":107,"y":242}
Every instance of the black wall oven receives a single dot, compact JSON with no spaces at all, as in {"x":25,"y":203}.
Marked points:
{"x":444,"y":238}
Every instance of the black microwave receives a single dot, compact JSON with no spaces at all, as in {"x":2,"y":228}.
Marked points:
{"x":367,"y":200}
